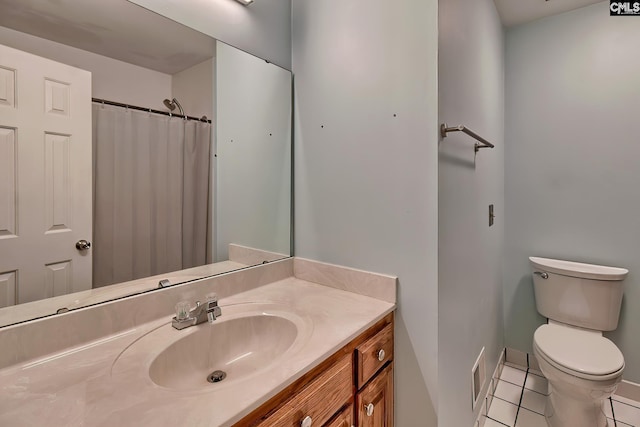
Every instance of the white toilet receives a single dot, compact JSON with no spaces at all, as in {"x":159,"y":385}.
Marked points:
{"x":583,"y":368}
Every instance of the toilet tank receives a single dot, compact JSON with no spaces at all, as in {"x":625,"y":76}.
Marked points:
{"x":584,"y":295}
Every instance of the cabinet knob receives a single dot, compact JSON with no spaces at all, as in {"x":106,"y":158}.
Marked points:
{"x":381,"y":355}
{"x":306,"y":422}
{"x":369,"y":409}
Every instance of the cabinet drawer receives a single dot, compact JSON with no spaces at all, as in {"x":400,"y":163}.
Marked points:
{"x":320,"y":400}
{"x":344,"y":419}
{"x":373,"y":354}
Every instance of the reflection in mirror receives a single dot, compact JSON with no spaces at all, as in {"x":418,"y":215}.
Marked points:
{"x":134,"y":152}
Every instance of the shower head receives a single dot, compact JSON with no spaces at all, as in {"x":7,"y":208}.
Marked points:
{"x":171,"y":105}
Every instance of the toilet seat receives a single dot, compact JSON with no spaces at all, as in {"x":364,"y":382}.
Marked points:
{"x":581,"y":353}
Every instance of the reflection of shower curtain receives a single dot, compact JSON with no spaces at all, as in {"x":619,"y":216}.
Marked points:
{"x":151,"y":188}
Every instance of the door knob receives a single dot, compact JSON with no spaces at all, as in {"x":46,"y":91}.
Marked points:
{"x":306,"y":422}
{"x":83,"y":245}
{"x":381,"y":355}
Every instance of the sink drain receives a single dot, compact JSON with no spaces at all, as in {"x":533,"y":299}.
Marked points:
{"x":216,"y":376}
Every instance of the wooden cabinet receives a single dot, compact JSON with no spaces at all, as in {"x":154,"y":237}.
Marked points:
{"x":319,"y":400}
{"x":375,"y":401}
{"x":373,"y":354}
{"x":343,"y":419}
{"x":353,"y":387}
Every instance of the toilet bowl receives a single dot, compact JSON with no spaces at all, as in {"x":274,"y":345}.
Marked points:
{"x":582,"y":367}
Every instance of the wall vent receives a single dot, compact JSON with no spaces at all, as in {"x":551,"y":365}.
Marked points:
{"x":478,"y":378}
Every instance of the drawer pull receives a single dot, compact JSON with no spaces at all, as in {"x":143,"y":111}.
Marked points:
{"x":369,"y":409}
{"x":381,"y":355}
{"x":306,"y":422}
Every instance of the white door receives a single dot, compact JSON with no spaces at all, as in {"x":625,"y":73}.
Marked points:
{"x":45,"y":177}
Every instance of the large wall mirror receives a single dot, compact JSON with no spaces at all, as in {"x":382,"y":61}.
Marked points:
{"x":135,"y":153}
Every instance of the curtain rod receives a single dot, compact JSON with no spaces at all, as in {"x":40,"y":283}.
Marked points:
{"x":150,"y":110}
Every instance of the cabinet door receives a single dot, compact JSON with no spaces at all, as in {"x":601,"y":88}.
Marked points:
{"x":375,"y":401}
{"x":344,"y":419}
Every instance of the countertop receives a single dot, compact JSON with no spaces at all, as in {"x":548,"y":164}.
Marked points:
{"x":106,"y":383}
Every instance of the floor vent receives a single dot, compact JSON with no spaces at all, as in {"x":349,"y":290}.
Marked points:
{"x":478,"y":378}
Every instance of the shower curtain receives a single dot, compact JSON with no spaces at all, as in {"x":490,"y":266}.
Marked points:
{"x":151,"y":194}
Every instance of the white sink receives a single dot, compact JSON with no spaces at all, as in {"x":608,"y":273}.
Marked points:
{"x":248,"y":340}
{"x":238,"y":347}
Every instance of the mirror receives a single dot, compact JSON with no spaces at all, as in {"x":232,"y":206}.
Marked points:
{"x":135,"y":153}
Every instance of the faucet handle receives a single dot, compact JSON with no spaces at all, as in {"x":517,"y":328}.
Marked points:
{"x":213,"y":310}
{"x":183,"y":310}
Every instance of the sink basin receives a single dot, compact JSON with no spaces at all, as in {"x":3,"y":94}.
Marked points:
{"x":239,"y":347}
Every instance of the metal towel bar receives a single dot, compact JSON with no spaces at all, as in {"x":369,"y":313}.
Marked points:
{"x":444,"y":130}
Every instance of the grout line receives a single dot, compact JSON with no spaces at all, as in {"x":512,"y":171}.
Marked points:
{"x":522,"y":393}
{"x":499,"y":422}
{"x":505,"y":400}
{"x":625,"y":403}
{"x":517,"y":385}
{"x":613,"y":414}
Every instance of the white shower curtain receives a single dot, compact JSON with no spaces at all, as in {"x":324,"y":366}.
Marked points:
{"x":151,"y":194}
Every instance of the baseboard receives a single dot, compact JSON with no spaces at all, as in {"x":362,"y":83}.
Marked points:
{"x":626,"y":389}
{"x":629,"y":390}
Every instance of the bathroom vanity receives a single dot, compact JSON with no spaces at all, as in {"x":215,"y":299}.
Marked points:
{"x":301,"y":344}
{"x":352,"y":387}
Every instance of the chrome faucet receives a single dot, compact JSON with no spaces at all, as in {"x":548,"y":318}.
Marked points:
{"x":209,"y":311}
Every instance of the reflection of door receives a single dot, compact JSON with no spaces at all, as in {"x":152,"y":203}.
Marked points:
{"x":45,"y":177}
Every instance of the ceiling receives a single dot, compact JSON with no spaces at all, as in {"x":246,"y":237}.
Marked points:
{"x":118,"y":29}
{"x":122,"y":30}
{"x":516,"y":12}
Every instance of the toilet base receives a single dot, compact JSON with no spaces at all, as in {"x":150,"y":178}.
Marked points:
{"x":562,"y":411}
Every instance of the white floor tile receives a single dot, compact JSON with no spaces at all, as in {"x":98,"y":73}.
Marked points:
{"x":504,"y":412}
{"x":534,"y":401}
{"x":626,"y":413}
{"x":513,"y":375}
{"x":527,"y":418}
{"x":509,"y":392}
{"x":491,"y":423}
{"x":627,"y":401}
{"x":536,"y":372}
{"x":536,"y":383}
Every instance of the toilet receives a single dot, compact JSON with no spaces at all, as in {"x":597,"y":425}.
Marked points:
{"x":582,"y":367}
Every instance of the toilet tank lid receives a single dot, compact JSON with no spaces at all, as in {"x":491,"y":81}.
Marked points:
{"x":578,"y":269}
{"x":580,"y":351}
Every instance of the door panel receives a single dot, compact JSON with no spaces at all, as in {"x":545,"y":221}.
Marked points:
{"x":58,"y":198}
{"x":45,"y":176}
{"x":379,"y":394}
{"x":7,"y":87}
{"x":8,"y":189}
{"x":7,"y":288}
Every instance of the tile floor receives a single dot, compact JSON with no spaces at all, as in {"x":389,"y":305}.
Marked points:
{"x":519,"y":397}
